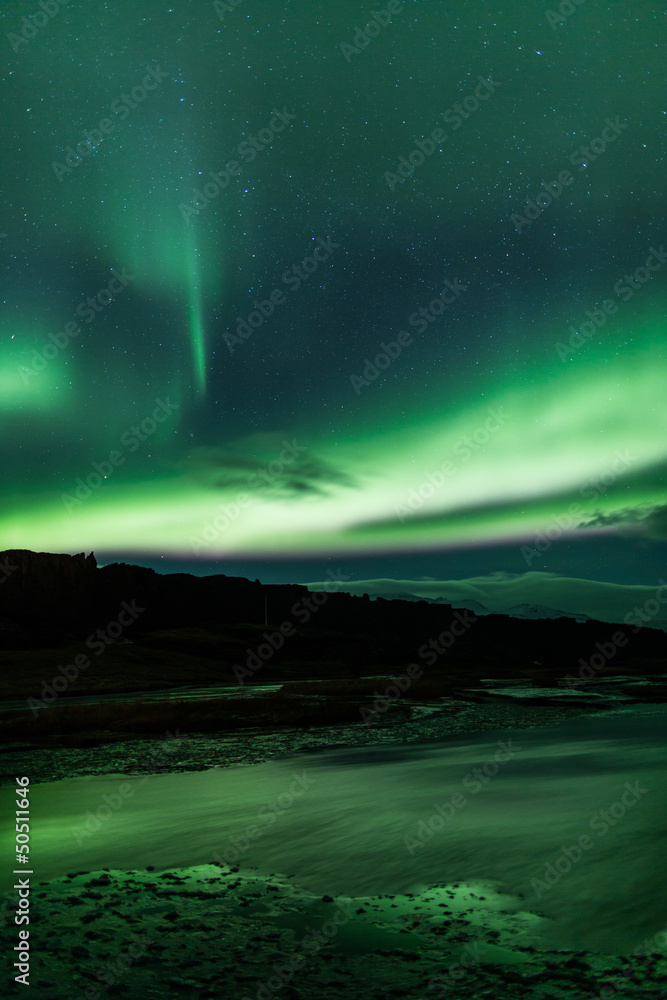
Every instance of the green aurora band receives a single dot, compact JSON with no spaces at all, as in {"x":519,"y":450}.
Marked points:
{"x":476,"y":475}
{"x":479,"y":433}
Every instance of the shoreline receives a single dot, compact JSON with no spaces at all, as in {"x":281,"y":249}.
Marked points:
{"x":195,"y":931}
{"x":128,"y":753}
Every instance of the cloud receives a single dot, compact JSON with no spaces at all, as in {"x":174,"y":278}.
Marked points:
{"x":499,"y":592}
{"x":655,"y":524}
{"x":649,"y":522}
{"x":274,"y":463}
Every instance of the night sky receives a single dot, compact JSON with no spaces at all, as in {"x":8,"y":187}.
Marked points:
{"x":280,"y":295}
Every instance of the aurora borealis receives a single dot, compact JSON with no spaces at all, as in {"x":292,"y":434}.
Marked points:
{"x":278,"y":288}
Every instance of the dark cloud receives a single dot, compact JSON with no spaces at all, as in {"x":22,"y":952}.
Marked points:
{"x":646,"y":522}
{"x":273,"y":463}
{"x":656,"y":523}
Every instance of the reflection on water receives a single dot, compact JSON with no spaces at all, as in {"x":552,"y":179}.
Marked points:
{"x":586,"y":799}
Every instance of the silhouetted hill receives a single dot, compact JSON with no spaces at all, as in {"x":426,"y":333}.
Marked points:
{"x":52,"y":596}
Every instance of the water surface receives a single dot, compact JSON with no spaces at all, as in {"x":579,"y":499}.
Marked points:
{"x":364,"y":821}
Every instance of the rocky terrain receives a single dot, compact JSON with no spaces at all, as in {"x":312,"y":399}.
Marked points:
{"x":210,"y":931}
{"x":99,"y":665}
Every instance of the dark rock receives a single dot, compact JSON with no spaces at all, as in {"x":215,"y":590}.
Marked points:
{"x":52,"y":595}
